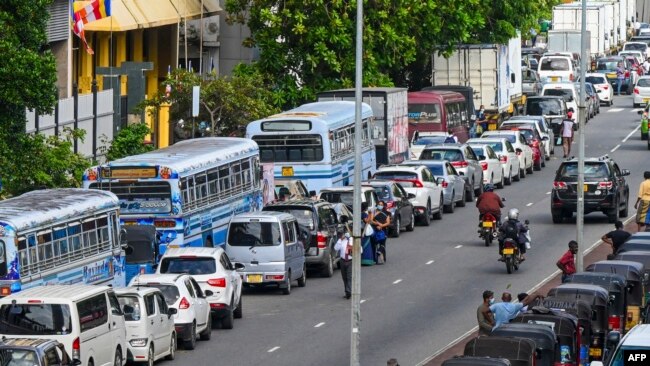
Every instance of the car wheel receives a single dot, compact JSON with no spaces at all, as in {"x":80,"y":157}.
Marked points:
{"x":532,"y":167}
{"x":479,"y":190}
{"x":398,"y":227}
{"x":150,"y":356}
{"x":517,"y":177}
{"x":411,"y":224}
{"x":624,"y":212}
{"x":438,"y":215}
{"x":450,"y":207}
{"x":469,"y":194}
{"x":522,"y":172}
{"x":302,"y":281}
{"x":612,"y":215}
{"x":462,"y":201}
{"x":501,"y":183}
{"x":287,"y":284}
{"x":328,"y":271}
{"x":118,"y":358}
{"x":508,"y":181}
{"x":228,"y":321}
{"x":426,"y":220}
{"x":172,"y":349}
{"x":557,"y":216}
{"x":538,"y":166}
{"x":543,"y":164}
{"x":239,"y":312}
{"x":207,"y":332}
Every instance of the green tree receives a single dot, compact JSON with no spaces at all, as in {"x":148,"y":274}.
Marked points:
{"x":504,"y":17}
{"x":129,"y":141}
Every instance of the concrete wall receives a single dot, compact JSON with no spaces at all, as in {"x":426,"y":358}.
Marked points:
{"x":61,"y":54}
{"x":231,"y":51}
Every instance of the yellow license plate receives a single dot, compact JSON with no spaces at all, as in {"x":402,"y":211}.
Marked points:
{"x":487,"y":223}
{"x":646,"y":100}
{"x":130,"y":223}
{"x":595,"y":352}
{"x":586,"y":188}
{"x":555,"y":78}
{"x":508,"y":251}
{"x":254,"y":278}
{"x":287,"y":171}
{"x":611,"y":76}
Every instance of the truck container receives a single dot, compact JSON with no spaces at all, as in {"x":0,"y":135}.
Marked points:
{"x":567,"y":41}
{"x":599,"y":24}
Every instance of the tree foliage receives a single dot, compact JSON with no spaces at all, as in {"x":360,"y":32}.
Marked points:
{"x":129,"y":141}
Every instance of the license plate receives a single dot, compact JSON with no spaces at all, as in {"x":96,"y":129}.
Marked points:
{"x":287,"y":171}
{"x":254,"y":278}
{"x":508,"y":251}
{"x":611,"y":76}
{"x":646,"y":100}
{"x":487,"y":223}
{"x":586,"y":188}
{"x":130,"y":223}
{"x":555,"y":78}
{"x":595,"y":352}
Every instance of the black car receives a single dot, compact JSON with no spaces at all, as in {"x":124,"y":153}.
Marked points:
{"x":397,"y":202}
{"x":318,"y":223}
{"x":605,"y":189}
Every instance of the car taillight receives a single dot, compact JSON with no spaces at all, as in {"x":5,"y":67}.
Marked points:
{"x":503,"y":159}
{"x":636,"y":90}
{"x":559,"y":185}
{"x":484,"y":165}
{"x":184,"y":304}
{"x":606,"y":87}
{"x":416,"y":183}
{"x":571,"y":77}
{"x":444,"y":184}
{"x":275,"y":277}
{"x":76,"y":349}
{"x":217,"y":282}
{"x":605,"y":185}
{"x":390,"y":204}
{"x":614,"y":322}
{"x":321,"y":240}
{"x":460,"y":164}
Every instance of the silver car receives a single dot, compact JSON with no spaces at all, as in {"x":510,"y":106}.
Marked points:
{"x":453,"y":184}
{"x":531,"y":85}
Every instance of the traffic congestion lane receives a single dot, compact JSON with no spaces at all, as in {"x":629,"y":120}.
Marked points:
{"x":413,"y":306}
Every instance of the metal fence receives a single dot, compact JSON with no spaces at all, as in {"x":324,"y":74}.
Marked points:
{"x":90,"y":112}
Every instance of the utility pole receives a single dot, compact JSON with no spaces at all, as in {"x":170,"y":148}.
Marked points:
{"x":356,"y":205}
{"x":580,"y":219}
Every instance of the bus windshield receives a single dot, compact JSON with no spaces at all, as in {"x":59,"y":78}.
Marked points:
{"x":140,"y":197}
{"x":35,"y":319}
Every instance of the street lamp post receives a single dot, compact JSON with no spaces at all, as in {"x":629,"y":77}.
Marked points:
{"x":581,"y":142}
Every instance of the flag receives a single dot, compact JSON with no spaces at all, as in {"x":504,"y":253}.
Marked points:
{"x":96,"y":10}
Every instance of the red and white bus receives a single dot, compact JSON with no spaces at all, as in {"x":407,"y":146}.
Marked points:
{"x":438,"y":111}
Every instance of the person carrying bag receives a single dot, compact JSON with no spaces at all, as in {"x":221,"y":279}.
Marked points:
{"x":367,"y":242}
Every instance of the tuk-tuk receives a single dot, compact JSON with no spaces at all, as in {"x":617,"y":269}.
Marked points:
{"x":563,"y":324}
{"x":580,"y":309}
{"x":615,"y":286}
{"x":546,"y":342}
{"x":634,"y":283}
{"x":598,"y":298}
{"x":142,"y":252}
{"x":519,"y":351}
{"x":634,"y":244}
{"x":643,"y":258}
{"x":640,"y":235}
{"x":475,"y":361}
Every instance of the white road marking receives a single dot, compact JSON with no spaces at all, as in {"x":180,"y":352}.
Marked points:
{"x":530,"y":204}
{"x":548,"y":192}
{"x":636,"y":110}
{"x":457,"y":246}
{"x":615,"y":109}
{"x":429,"y":262}
{"x":397,"y":281}
{"x":273,"y":349}
{"x":632,"y":133}
{"x":615,"y":148}
{"x":319,"y":325}
{"x":362,"y":301}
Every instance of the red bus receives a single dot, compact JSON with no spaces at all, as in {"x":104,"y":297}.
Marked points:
{"x":438,"y":111}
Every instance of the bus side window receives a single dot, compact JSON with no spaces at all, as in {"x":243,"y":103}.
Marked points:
{"x":45,"y":252}
{"x":102,"y":230}
{"x":200,"y":180}
{"x":74,"y":233}
{"x":246,"y":173}
{"x":224,"y":179}
{"x":23,"y":257}
{"x":235,"y":170}
{"x":89,"y":233}
{"x":60,"y":241}
{"x":213,"y":182}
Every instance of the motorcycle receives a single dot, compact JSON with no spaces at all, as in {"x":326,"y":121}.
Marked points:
{"x":510,"y":252}
{"x":489,"y":229}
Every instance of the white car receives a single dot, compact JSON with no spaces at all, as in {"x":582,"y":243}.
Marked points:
{"x":603,"y":87}
{"x":417,"y":180}
{"x":421,"y":139}
{"x":641,"y":47}
{"x":507,"y":156}
{"x":492,"y":170}
{"x":539,"y":124}
{"x":518,"y":141}
{"x":214,"y":272}
{"x":557,"y":68}
{"x":638,"y":55}
{"x":642,"y":91}
{"x":567,"y":91}
{"x":185,"y":295}
{"x":150,"y":330}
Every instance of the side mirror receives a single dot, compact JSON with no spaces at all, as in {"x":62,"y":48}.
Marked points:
{"x":239,"y":266}
{"x":344,"y":219}
{"x":207,"y":293}
{"x":172,"y":311}
{"x":411,"y":196}
{"x":440,"y":180}
{"x":481,"y":157}
{"x":625,"y":172}
{"x":545,"y":138}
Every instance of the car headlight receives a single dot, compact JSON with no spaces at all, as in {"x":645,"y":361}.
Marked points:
{"x":138,"y":342}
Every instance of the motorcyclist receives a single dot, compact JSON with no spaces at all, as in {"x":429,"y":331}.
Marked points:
{"x":515,"y":230}
{"x":489,"y":202}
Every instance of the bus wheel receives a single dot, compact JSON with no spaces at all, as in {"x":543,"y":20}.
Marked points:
{"x":208,"y":242}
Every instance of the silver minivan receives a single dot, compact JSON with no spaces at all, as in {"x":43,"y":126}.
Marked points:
{"x":268,"y":245}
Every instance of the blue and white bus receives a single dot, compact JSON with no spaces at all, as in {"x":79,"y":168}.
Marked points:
{"x":60,"y":236}
{"x":188,"y":191}
{"x":315,"y":143}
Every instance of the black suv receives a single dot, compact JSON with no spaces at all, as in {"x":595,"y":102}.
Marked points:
{"x":318,"y":221}
{"x":605,"y":189}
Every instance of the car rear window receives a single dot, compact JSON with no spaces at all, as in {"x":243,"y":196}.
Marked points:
{"x":643,"y":83}
{"x":170,"y":292}
{"x":131,"y":307}
{"x":430,"y":140}
{"x":35,"y":319}
{"x":592,"y":170}
{"x":478,"y":151}
{"x":389,"y":175}
{"x":510,"y":137}
{"x":254,"y":234}
{"x":607,"y":64}
{"x":383,"y":192}
{"x":189,"y":265}
{"x":338,"y":197}
{"x":496,"y":146}
{"x":596,"y":80}
{"x":436,"y":169}
{"x":541,"y":107}
{"x":635,"y":47}
{"x":18,"y":357}
{"x":564,"y":93}
{"x":442,"y":154}
{"x":554,"y":64}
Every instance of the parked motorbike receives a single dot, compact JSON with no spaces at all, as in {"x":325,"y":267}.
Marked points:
{"x":489,"y":229}
{"x":510,"y":253}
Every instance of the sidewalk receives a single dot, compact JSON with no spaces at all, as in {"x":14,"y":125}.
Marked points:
{"x":599,"y":253}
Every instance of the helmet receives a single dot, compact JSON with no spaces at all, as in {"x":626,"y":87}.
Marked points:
{"x":513,"y":214}
{"x":488,"y":187}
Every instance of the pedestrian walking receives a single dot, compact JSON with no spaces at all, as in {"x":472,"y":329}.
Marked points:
{"x":642,"y":204}
{"x":616,"y":237}
{"x":566,"y":264}
{"x":381,"y":222}
{"x":506,"y":310}
{"x":484,"y":316}
{"x":367,"y":241}
{"x":620,"y":77}
{"x":344,"y":247}
{"x":567,"y":133}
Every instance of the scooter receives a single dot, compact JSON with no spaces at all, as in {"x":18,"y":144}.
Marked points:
{"x":489,"y":229}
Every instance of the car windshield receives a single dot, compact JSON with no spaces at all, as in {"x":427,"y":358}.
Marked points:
{"x":436,"y":169}
{"x":426,"y":140}
{"x":554,"y":64}
{"x":140,"y":252}
{"x":596,"y":80}
{"x":338,"y":197}
{"x":35,"y":319}
{"x":170,"y":292}
{"x":608,"y":65}
{"x":391,"y":175}
{"x":18,"y":357}
{"x":442,"y":154}
{"x":543,"y":107}
{"x":643,"y":83}
{"x":564,"y":93}
{"x":592,"y":170}
{"x":190,"y":265}
{"x":510,"y":137}
{"x":635,"y":47}
{"x":254,"y":234}
{"x":305,"y":217}
{"x":130,"y":305}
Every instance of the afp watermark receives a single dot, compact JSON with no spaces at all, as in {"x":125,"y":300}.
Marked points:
{"x":636,"y":357}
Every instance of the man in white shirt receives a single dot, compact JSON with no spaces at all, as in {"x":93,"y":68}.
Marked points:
{"x":646,"y":65}
{"x":567,"y":134}
{"x":344,"y":247}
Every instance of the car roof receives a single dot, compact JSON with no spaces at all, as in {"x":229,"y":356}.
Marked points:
{"x":484,"y":140}
{"x":196,"y":251}
{"x":140,"y":291}
{"x":343,"y":189}
{"x":164,"y":278}
{"x":402,"y":168}
{"x":425,"y":161}
{"x":260,"y":215}
{"x":638,"y":336}
{"x":499,"y":132}
{"x":298,"y":202}
{"x":57,"y":293}
{"x":26,"y":342}
{"x":444,"y":145}
{"x":377,"y":182}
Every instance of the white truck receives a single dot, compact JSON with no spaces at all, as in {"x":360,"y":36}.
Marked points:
{"x":492,"y":70}
{"x":600,"y":24}
{"x":567,"y":41}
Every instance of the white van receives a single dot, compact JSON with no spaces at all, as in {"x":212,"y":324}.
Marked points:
{"x":86,"y":319}
{"x":556,"y":68}
{"x":568,"y":91}
{"x":637,"y":46}
{"x":268,"y":245}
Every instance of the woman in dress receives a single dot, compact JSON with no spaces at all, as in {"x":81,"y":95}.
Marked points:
{"x":642,"y":204}
{"x":381,"y":222}
{"x":368,"y":253}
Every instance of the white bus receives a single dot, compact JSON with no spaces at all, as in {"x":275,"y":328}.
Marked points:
{"x":315,"y":143}
{"x":60,"y":236}
{"x":188,"y":191}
